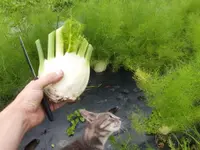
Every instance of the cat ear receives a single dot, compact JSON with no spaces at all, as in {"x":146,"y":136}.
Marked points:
{"x":89,"y":116}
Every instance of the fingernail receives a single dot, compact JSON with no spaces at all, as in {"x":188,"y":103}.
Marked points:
{"x":59,"y":73}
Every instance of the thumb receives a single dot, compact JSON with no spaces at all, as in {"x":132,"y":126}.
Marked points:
{"x":50,"y":78}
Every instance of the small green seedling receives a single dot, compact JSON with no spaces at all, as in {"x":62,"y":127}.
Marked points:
{"x":74,"y":118}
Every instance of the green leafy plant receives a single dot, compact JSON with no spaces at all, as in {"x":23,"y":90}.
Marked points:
{"x":152,"y":34}
{"x":187,"y":140}
{"x":173,"y":97}
{"x":119,"y":143}
{"x":74,"y":118}
{"x":60,"y":5}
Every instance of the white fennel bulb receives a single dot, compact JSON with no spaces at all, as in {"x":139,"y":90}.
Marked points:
{"x":100,"y":66}
{"x":71,"y":54}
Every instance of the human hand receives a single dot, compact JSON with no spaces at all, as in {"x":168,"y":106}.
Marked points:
{"x":25,"y":112}
{"x":29,"y":99}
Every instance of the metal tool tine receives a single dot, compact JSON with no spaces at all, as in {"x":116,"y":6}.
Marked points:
{"x":27,"y":58}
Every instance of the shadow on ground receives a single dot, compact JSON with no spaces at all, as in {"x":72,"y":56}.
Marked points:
{"x":117,"y":89}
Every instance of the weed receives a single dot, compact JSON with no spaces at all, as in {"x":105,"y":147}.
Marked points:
{"x":74,"y":118}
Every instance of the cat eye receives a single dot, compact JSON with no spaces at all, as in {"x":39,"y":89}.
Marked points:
{"x":110,"y":116}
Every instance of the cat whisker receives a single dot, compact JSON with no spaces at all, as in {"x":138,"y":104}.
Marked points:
{"x":120,"y":131}
{"x":123,"y":129}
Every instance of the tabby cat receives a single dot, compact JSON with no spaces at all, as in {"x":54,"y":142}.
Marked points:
{"x":98,"y":129}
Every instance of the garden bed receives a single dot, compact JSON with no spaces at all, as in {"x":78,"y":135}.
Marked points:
{"x":117,"y":89}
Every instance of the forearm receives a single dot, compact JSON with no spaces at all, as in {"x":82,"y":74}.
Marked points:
{"x":13,"y":126}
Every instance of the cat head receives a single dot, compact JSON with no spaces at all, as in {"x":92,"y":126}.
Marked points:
{"x":106,"y":122}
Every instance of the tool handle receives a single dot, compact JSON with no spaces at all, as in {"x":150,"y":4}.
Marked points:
{"x":47,"y":109}
{"x":46,"y":106}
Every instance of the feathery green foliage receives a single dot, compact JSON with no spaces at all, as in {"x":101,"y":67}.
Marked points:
{"x":174,"y":97}
{"x":160,"y":37}
{"x":149,"y":34}
{"x":121,"y":143}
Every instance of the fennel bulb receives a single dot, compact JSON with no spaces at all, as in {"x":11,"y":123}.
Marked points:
{"x":165,"y":130}
{"x":100,"y":66}
{"x":72,"y":55}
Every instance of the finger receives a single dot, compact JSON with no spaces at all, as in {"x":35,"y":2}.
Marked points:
{"x":50,"y":78}
{"x":54,"y":106}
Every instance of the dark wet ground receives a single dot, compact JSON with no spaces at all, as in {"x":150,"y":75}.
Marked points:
{"x":117,"y":89}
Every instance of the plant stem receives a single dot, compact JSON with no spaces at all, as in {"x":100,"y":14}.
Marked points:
{"x":59,"y":42}
{"x":176,"y":139}
{"x":41,"y":56}
{"x":83,"y":48}
{"x":51,"y":45}
{"x":70,"y":36}
{"x":192,"y":137}
{"x":89,"y":52}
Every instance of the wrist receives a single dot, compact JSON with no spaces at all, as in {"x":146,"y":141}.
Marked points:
{"x":14,"y":113}
{"x":13,"y":127}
